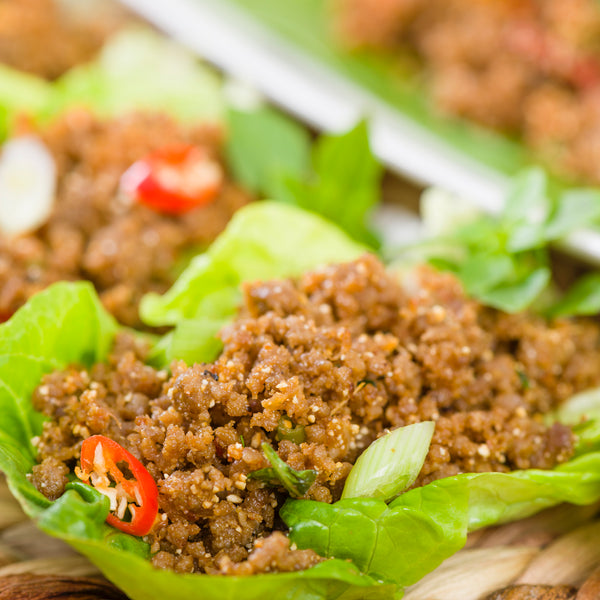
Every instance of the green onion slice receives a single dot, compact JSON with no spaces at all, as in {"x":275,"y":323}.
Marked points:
{"x":390,"y":464}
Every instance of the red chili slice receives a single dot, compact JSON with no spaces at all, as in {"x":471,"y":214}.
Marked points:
{"x":99,"y":458}
{"x":174,"y":179}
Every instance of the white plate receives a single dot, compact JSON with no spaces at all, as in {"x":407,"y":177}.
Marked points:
{"x":242,"y":47}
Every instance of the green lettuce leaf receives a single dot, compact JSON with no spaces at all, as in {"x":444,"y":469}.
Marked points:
{"x":66,"y":324}
{"x":41,"y":338}
{"x":265,"y":240}
{"x":138,"y":68}
{"x":403,"y":541}
{"x":21,"y":92}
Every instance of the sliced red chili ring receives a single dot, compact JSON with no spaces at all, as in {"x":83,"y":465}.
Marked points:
{"x":138,"y":495}
{"x":174,"y":179}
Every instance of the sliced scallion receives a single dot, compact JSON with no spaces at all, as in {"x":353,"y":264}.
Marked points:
{"x":584,"y":406}
{"x":390,"y":464}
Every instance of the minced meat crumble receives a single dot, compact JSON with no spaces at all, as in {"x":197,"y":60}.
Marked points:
{"x":125,"y":249}
{"x":528,"y":67}
{"x":346,"y":353}
{"x":45,"y":38}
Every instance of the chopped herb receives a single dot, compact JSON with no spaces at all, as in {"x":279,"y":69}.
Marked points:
{"x":296,"y":483}
{"x":364,"y":382}
{"x":286,"y":430}
{"x":524,"y":380}
{"x":243,"y":442}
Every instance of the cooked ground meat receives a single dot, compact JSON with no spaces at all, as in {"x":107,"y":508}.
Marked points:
{"x":41,"y":37}
{"x":345,"y":353}
{"x":126,"y":250}
{"x":525,"y":67}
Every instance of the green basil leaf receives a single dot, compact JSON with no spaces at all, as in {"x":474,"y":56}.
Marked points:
{"x":482,"y":272}
{"x":582,"y":299}
{"x":345,"y":185}
{"x":577,"y":208}
{"x":518,"y":296}
{"x":264,"y":147}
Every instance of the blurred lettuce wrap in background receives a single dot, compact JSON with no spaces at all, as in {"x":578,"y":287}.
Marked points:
{"x":136,"y":69}
{"x":393,"y":74}
{"x":378,"y":548}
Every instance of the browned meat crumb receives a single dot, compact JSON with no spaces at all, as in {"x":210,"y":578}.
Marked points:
{"x":534,"y":592}
{"x":40,"y":37}
{"x":525,"y":67}
{"x":344,"y":353}
{"x":125,"y":250}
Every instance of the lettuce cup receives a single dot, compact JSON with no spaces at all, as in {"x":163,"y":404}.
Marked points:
{"x":342,"y":434}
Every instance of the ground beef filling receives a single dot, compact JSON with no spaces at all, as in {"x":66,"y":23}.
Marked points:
{"x":345,"y":353}
{"x":41,"y":37}
{"x":125,"y":249}
{"x":525,"y":67}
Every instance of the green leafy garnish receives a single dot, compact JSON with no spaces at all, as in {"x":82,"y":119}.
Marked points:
{"x":525,"y":384}
{"x":503,"y":260}
{"x":296,"y":483}
{"x":390,"y":464}
{"x":582,"y":299}
{"x":338,"y":178}
{"x":264,"y":147}
{"x":344,"y":185}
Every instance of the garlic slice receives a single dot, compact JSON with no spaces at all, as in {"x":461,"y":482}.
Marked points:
{"x":27,"y":185}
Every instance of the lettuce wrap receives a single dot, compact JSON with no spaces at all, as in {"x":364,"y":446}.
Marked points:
{"x":376,"y":548}
{"x":136,"y":69}
{"x":307,"y":25}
